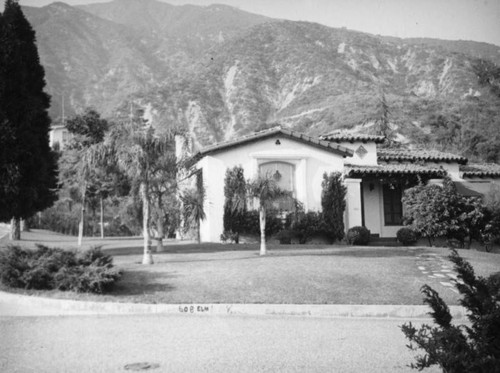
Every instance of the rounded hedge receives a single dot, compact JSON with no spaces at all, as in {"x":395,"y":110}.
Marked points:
{"x":358,"y":236}
{"x":406,"y":236}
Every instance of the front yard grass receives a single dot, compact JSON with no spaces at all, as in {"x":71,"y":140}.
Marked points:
{"x":290,"y":274}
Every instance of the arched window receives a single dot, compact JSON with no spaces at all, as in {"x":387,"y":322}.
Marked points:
{"x":284,"y":175}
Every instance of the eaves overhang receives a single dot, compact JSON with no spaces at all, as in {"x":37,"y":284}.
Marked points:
{"x":276,"y":132}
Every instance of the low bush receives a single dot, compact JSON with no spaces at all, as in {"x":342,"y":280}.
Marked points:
{"x":474,"y":347}
{"x":285,"y":237}
{"x":307,"y":224}
{"x":252,"y":225}
{"x":407,"y":236}
{"x":358,"y":236}
{"x":230,"y":237}
{"x":86,"y":279}
{"x":51,"y":268}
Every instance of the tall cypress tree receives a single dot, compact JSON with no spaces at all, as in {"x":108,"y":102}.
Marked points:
{"x":28,"y":167}
{"x":333,"y":204}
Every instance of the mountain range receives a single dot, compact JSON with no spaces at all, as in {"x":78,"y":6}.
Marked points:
{"x":220,"y":72}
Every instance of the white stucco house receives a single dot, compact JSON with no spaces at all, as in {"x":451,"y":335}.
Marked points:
{"x":59,"y":136}
{"x":375,"y":177}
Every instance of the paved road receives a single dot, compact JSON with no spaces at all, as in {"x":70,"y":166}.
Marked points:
{"x":201,"y":343}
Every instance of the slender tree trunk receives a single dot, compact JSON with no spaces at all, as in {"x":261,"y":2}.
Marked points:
{"x":102,"y":217}
{"x":148,"y":256}
{"x":262,"y":223}
{"x":93,"y":221}
{"x":198,"y":232}
{"x":15,"y":229}
{"x":25,"y":226}
{"x":82,"y":216}
{"x":159,"y":239}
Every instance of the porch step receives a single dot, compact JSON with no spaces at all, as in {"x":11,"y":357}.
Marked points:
{"x":383,"y":241}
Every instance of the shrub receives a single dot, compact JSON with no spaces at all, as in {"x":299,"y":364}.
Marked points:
{"x":307,"y":224}
{"x":251,"y":225}
{"x":285,"y":237}
{"x":51,"y":268}
{"x":229,"y":236}
{"x":235,"y":200}
{"x":86,"y":279}
{"x":435,"y":211}
{"x":358,"y":236}
{"x":95,"y":256}
{"x":461,"y":348}
{"x":407,"y":236}
{"x":333,"y":205}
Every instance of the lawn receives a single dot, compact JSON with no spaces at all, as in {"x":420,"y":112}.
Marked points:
{"x":290,"y":274}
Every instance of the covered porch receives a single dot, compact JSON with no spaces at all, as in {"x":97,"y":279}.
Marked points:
{"x":377,"y":192}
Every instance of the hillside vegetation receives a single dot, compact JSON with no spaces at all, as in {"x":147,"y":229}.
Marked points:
{"x":220,"y":73}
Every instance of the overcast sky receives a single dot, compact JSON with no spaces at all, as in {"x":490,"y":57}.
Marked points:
{"x":477,"y":20}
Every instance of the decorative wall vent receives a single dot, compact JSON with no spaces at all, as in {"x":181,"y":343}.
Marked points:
{"x":361,"y":151}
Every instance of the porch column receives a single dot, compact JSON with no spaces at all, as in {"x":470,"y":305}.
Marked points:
{"x":353,"y":203}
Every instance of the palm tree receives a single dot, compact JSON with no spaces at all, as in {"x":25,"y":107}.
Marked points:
{"x":138,"y":149}
{"x":77,"y":165}
{"x":163,"y":193}
{"x":266,"y":191}
{"x":193,"y":209}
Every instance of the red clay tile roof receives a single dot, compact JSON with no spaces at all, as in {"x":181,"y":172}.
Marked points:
{"x":480,"y":170}
{"x":339,"y":137}
{"x":393,"y":169}
{"x":275,"y":132}
{"x":406,"y":155}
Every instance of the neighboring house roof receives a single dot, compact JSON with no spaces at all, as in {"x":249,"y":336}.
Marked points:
{"x":466,"y":189}
{"x":406,"y":155}
{"x":339,"y":137}
{"x":274,"y":132}
{"x":480,"y":170}
{"x":57,"y":126}
{"x":393,"y":169}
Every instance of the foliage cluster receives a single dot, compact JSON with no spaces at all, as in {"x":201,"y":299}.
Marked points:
{"x":28,"y":167}
{"x":249,"y":224}
{"x":64,"y":217}
{"x":305,"y":225}
{"x":333,"y":205}
{"x":50,"y":268}
{"x":440,"y":211}
{"x":235,"y":193}
{"x":297,"y":224}
{"x":474,"y":347}
{"x":358,"y":235}
{"x":406,"y":236}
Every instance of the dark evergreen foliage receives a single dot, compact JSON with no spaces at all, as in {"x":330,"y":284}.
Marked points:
{"x":305,"y":225}
{"x":439,"y":211}
{"x":471,"y":348}
{"x":333,"y":205}
{"x":358,"y":236}
{"x":235,"y":200}
{"x":88,"y":127}
{"x":406,"y":236}
{"x":28,"y":168}
{"x":48,"y":268}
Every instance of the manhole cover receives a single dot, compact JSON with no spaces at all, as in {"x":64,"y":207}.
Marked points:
{"x":141,"y":366}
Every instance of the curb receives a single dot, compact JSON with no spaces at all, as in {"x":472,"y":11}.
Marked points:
{"x":25,"y":305}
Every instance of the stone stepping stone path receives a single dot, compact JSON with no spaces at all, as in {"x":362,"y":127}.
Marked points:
{"x":436,"y":267}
